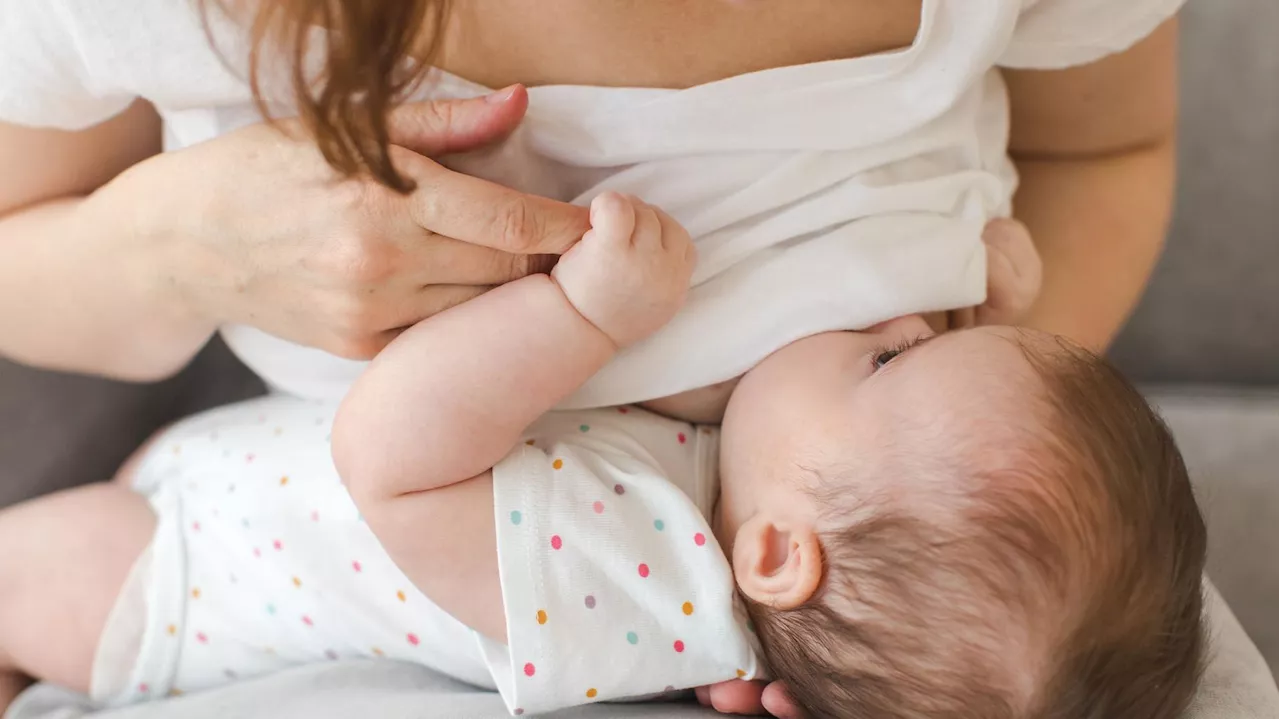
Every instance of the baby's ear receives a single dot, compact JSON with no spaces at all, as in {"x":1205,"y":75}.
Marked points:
{"x":777,"y":562}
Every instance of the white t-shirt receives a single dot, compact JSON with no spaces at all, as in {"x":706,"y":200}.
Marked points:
{"x":822,"y":197}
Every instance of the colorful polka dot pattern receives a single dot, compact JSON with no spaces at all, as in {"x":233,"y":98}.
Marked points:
{"x":297,"y":592}
{"x":643,"y":571}
{"x":270,"y":531}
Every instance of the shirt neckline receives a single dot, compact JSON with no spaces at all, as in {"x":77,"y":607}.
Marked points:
{"x":874,"y":64}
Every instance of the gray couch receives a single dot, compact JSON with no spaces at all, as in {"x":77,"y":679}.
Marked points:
{"x":1203,"y":341}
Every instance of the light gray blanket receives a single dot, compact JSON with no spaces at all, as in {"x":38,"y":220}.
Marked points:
{"x":1237,"y":685}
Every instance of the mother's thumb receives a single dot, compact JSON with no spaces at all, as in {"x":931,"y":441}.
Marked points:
{"x":439,"y":127}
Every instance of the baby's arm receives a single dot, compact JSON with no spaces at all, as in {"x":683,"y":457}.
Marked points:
{"x":416,"y":436}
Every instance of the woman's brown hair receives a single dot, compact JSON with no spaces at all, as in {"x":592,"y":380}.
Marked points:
{"x":376,"y":51}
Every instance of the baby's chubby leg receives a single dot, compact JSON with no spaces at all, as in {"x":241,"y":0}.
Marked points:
{"x":65,"y":558}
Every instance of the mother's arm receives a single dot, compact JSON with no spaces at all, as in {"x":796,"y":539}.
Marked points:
{"x":1094,"y":146}
{"x":69,"y":298}
{"x":117,"y":261}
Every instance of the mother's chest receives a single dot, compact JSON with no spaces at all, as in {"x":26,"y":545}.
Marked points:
{"x":662,"y":43}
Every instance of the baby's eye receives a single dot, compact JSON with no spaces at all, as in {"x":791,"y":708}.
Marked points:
{"x":883,"y":358}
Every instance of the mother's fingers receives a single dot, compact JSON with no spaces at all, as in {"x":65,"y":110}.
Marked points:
{"x":484,"y":213}
{"x":432,"y":259}
{"x":438,"y":127}
{"x":734,"y":696}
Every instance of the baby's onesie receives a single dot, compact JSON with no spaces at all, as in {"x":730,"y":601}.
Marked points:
{"x":613,"y":583}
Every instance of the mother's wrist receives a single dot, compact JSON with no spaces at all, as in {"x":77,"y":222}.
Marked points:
{"x":130,"y":217}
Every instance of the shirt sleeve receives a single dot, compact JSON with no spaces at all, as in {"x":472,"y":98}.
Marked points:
{"x":1054,"y":34}
{"x":45,"y":78}
{"x":613,"y":585}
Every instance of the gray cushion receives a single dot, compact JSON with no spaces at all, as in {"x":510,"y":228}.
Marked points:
{"x":59,"y":430}
{"x":1229,"y":440}
{"x":1237,"y":686}
{"x":1210,"y":313}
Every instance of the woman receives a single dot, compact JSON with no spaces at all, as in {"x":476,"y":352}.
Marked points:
{"x":120,"y":261}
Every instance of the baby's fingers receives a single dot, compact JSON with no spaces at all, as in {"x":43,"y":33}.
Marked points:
{"x":1014,"y":273}
{"x":613,"y":217}
{"x":648,"y":232}
{"x":675,"y":238}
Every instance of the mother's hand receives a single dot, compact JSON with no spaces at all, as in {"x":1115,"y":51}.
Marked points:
{"x":255,"y":228}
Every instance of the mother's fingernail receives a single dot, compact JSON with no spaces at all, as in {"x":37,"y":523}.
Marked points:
{"x":500,"y":96}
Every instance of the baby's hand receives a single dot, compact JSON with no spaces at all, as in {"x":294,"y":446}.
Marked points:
{"x":629,"y":274}
{"x":1014,"y":273}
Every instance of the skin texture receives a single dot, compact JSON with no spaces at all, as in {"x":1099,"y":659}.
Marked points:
{"x":250,"y":228}
{"x":1095,"y":148}
{"x":67,"y":557}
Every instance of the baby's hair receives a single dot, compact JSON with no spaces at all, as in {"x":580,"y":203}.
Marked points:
{"x":1056,"y":576}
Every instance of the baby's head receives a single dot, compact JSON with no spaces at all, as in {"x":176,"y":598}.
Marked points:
{"x":992,"y":524}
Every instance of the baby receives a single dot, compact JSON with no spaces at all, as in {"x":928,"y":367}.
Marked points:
{"x":990,"y":523}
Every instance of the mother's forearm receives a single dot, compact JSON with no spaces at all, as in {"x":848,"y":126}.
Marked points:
{"x":1100,"y":225}
{"x":73,"y":298}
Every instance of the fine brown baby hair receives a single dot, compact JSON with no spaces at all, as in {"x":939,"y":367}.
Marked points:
{"x":1067,"y":585}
